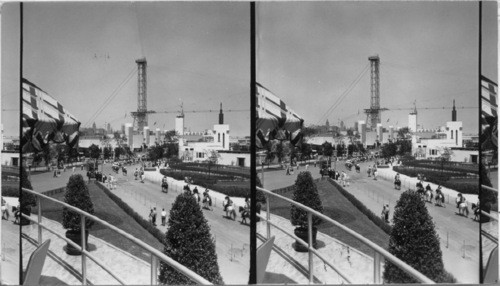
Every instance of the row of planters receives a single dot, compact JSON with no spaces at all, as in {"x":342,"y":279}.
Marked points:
{"x":462,"y":185}
{"x":203,"y":181}
{"x":186,"y":220}
{"x":413,"y":237}
{"x":450,"y":166}
{"x":213,"y":170}
{"x":472,"y":169}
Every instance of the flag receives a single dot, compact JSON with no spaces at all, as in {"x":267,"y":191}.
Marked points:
{"x":387,"y":119}
{"x":125,"y":115}
{"x":154,"y":123}
{"x":489,"y":113}
{"x":275,"y":119}
{"x":45,"y":120}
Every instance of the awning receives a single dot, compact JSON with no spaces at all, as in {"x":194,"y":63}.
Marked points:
{"x":275,"y":119}
{"x":45,"y":120}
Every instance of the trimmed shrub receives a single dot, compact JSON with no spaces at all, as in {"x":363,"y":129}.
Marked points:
{"x":77,"y":195}
{"x":446,"y":179}
{"x":362,"y":208}
{"x":218,"y":170}
{"x":202,"y":180}
{"x":10,"y":191}
{"x":189,"y":242}
{"x":26,"y":200}
{"x":414,"y":240}
{"x":305,"y":193}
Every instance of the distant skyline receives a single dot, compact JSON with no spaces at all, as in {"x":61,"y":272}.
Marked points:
{"x":309,"y":54}
{"x":84,"y":53}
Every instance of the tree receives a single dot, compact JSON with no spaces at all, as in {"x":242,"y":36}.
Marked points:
{"x":94,"y":151}
{"x":404,"y":147}
{"x":414,"y":240}
{"x":327,"y":149}
{"x":155,"y":152}
{"x":172,"y":150}
{"x":106,"y":152}
{"x":305,"y":193}
{"x":189,"y":242}
{"x":404,"y":133}
{"x":77,"y":195}
{"x":119,"y":151}
{"x":26,"y":200}
{"x":389,"y":150}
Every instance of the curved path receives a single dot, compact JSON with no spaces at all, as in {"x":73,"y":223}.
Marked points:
{"x":459,"y":235}
{"x":231,"y":237}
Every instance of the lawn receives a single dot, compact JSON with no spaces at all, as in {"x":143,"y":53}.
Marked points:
{"x":337,"y":207}
{"x":108,"y":211}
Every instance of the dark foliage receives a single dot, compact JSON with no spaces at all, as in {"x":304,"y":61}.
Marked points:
{"x":203,"y":180}
{"x":77,"y":195}
{"x":305,"y":193}
{"x":414,"y":240}
{"x":26,"y":200}
{"x":189,"y":242}
{"x":444,"y":179}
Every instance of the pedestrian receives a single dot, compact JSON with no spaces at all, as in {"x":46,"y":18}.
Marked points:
{"x":74,"y":168}
{"x":163,"y":216}
{"x":154,"y":216}
{"x":151,"y":216}
{"x":287,"y":170}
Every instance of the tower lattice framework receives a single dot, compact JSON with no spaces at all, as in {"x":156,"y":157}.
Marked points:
{"x":141,"y":116}
{"x":373,"y":116}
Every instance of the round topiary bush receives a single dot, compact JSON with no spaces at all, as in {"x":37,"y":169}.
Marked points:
{"x":305,"y":193}
{"x":77,"y":195}
{"x":26,"y":200}
{"x":189,"y":242}
{"x":414,"y":240}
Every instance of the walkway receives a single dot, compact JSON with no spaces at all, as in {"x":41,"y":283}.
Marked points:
{"x":232,"y":239}
{"x":10,"y":252}
{"x":459,"y":235}
{"x":61,"y":268}
{"x":288,"y":266}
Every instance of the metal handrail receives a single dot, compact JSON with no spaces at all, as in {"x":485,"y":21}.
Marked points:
{"x":485,"y":213}
{"x":378,"y":250}
{"x":312,"y":249}
{"x":155,"y":254}
{"x":97,"y":261}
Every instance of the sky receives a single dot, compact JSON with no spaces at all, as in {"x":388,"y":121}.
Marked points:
{"x":82,"y":54}
{"x":309,"y":54}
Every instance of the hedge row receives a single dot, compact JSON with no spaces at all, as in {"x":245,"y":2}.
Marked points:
{"x":474,"y":169}
{"x":10,"y":191}
{"x":158,"y":234}
{"x":213,"y":170}
{"x":437,"y":175}
{"x":361,"y":207}
{"x":465,"y":187}
{"x":203,"y":181}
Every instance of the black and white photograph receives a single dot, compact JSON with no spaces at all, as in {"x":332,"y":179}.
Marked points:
{"x":367,"y":137}
{"x":135,"y":141}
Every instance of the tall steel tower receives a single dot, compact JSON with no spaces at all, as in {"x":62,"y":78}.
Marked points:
{"x":373,"y":114}
{"x":141,"y":115}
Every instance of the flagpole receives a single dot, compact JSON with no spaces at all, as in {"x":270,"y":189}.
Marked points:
{"x":479,"y":132}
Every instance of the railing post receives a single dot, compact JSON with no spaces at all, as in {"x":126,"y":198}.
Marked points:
{"x":310,"y":242}
{"x":376,"y":268}
{"x":84,"y":243}
{"x":268,"y":217}
{"x":154,"y":269}
{"x":39,"y":201}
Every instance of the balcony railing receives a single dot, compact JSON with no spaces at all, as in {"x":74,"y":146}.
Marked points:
{"x":156,"y":255}
{"x":379,"y":251}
